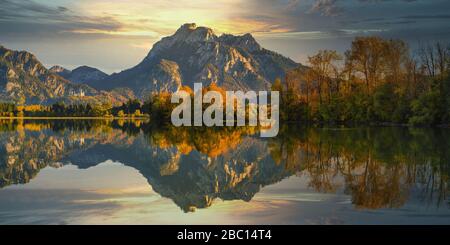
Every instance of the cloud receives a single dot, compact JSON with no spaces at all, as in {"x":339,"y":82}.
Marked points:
{"x":421,"y":16}
{"x":26,"y":7}
{"x":326,"y":7}
{"x":87,"y":30}
{"x":62,"y":9}
{"x":319,"y":35}
{"x":58,"y":18}
{"x":156,"y":18}
{"x":331,"y":8}
{"x":292,"y":4}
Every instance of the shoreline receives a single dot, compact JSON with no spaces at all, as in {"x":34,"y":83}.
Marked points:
{"x":74,"y":118}
{"x":285,"y":122}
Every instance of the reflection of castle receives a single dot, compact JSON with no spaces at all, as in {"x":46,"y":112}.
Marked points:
{"x":79,"y":93}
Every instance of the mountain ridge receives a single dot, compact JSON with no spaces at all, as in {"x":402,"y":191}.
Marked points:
{"x":82,"y":74}
{"x":191,"y":55}
{"x":196,"y":54}
{"x":25,"y":80}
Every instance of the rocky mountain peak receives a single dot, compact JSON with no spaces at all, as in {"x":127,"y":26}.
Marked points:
{"x":24,"y":80}
{"x":12,"y":55}
{"x":21,"y":60}
{"x":83,"y":74}
{"x":246,"y":41}
{"x":191,"y":33}
{"x":187,"y":34}
{"x":187,"y":27}
{"x":195,"y":54}
{"x":85,"y":68}
{"x":59,"y":69}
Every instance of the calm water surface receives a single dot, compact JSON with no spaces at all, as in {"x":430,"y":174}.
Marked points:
{"x":133,"y":172}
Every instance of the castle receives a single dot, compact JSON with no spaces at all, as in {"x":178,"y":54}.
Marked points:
{"x":80,"y":93}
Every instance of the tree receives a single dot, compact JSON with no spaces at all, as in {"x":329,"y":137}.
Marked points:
{"x":325,"y":71}
{"x":277,"y":86}
{"x":425,"y":109}
{"x":59,"y":108}
{"x":396,"y":58}
{"x":121,"y":113}
{"x":366,"y":57}
{"x":384,"y":102}
{"x":428,"y":60}
{"x":137,"y":113}
{"x":132,"y":105}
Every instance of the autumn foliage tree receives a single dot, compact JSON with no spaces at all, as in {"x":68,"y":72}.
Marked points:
{"x":376,"y":81}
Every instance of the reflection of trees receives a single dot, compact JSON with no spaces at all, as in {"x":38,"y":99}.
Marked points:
{"x":212,"y":142}
{"x":27,"y":147}
{"x":378,"y":167}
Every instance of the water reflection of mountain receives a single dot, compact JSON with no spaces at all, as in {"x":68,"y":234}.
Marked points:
{"x":377,"y":167}
{"x":194,"y":180}
{"x":25,"y":148}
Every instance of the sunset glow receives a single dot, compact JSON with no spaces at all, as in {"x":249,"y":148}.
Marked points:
{"x":123,"y":31}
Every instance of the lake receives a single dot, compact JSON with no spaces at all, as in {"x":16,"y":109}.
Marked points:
{"x":134,"y":172}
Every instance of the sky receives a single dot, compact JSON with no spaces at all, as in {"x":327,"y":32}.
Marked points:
{"x":113,"y":35}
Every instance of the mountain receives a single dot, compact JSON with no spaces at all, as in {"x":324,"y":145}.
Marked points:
{"x":24,"y":80}
{"x":193,"y":54}
{"x":60,"y":70}
{"x":197,"y":54}
{"x":82,"y":74}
